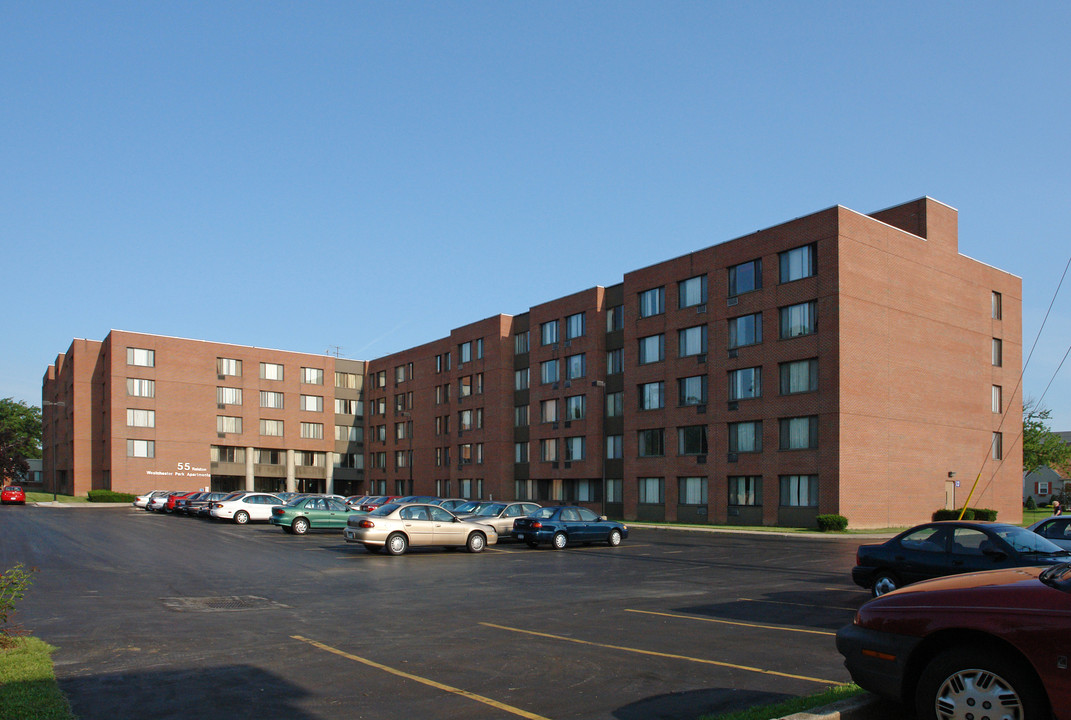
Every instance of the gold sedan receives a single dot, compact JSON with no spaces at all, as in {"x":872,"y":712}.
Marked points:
{"x":397,"y":527}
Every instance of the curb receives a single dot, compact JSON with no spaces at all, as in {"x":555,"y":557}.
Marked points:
{"x":862,"y":707}
{"x":49,"y":504}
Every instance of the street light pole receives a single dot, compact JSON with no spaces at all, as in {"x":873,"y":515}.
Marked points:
{"x":46,"y":403}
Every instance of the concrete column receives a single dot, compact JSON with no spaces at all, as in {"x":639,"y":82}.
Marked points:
{"x":250,"y":454}
{"x":291,"y":478}
{"x":330,"y":473}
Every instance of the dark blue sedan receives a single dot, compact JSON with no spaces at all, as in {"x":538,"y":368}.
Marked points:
{"x":567,"y":525}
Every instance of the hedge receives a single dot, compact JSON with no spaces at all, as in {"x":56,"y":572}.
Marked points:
{"x":107,"y":496}
{"x":832,"y":523}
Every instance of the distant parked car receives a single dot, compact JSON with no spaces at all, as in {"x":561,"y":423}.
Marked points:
{"x":448,"y":503}
{"x":426,"y":499}
{"x":374,"y":501}
{"x":203,"y":504}
{"x":397,"y":527}
{"x":159,"y":502}
{"x":181,"y":501}
{"x":978,"y":645}
{"x":568,"y":525}
{"x":311,"y":513}
{"x":13,"y":494}
{"x":1056,"y":530}
{"x":500,"y":515}
{"x":169,"y":506}
{"x":245,"y":507}
{"x":142,"y":500}
{"x":947,"y":547}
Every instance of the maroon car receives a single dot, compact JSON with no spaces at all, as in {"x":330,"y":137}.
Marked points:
{"x":991,"y":644}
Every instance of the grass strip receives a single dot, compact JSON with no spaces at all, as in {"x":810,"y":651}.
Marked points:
{"x":795,"y":705}
{"x":28,"y":687}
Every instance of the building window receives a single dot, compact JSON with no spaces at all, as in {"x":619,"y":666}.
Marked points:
{"x":345,"y":407}
{"x":348,"y":433}
{"x":142,"y":358}
{"x":615,"y":404}
{"x":520,"y":452}
{"x":615,"y":361}
{"x":228,"y":424}
{"x":140,"y":418}
{"x":797,"y":320}
{"x":399,"y":374}
{"x":548,"y":450}
{"x":381,"y":433}
{"x":312,"y":403}
{"x":745,"y":330}
{"x":998,"y":399}
{"x":312,"y":431}
{"x":346,"y":380}
{"x":264,"y":456}
{"x":548,"y":411}
{"x":271,"y":428}
{"x":228,"y":396}
{"x":652,"y":302}
{"x":799,"y":491}
{"x":228,"y":366}
{"x":652,"y":349}
{"x":652,"y":442}
{"x":520,"y":343}
{"x":226,"y":454}
{"x":271,"y":371}
{"x":574,"y":326}
{"x":998,"y":446}
{"x":799,"y":376}
{"x":615,"y":318}
{"x":464,"y":386}
{"x":745,"y":437}
{"x":305,"y":458}
{"x":380,"y":405}
{"x":520,"y":416}
{"x":652,"y":491}
{"x":464,"y":353}
{"x":315,"y":376}
{"x":692,"y":390}
{"x":136,"y":387}
{"x":692,"y":341}
{"x":548,"y":332}
{"x":576,"y":366}
{"x":652,"y":395}
{"x":575,"y":407}
{"x":745,"y":383}
{"x":400,"y":430}
{"x":745,"y":490}
{"x":478,"y":344}
{"x":998,"y":352}
{"x":996,"y":306}
{"x":692,"y":292}
{"x":615,"y":488}
{"x":692,"y":440}
{"x":799,"y":433}
{"x":349,"y":460}
{"x":141,"y":448}
{"x":745,"y":277}
{"x":798,"y":263}
{"x":464,"y":420}
{"x":520,"y":379}
{"x":692,"y":491}
{"x":380,"y":377}
{"x":574,"y":449}
{"x":614,"y":446}
{"x":548,"y":372}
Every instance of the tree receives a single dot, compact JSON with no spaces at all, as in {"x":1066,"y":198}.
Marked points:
{"x":20,"y":437}
{"x":1041,"y":446}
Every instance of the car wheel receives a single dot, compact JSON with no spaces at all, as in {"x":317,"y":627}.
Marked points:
{"x":300,"y":526}
{"x":559,"y":541}
{"x":241,"y":517}
{"x":885,"y":582}
{"x":969,"y":682}
{"x":397,"y":544}
{"x":614,"y":538}
{"x":476,"y":542}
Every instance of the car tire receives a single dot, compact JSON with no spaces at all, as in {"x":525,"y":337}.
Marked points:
{"x":614,"y":538}
{"x":974,"y":679}
{"x":476,"y":542}
{"x":559,"y":541}
{"x":300,"y":526}
{"x":241,"y":517}
{"x":397,"y":544}
{"x":884,"y":582}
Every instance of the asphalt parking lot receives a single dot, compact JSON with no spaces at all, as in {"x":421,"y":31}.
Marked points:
{"x":172,"y":617}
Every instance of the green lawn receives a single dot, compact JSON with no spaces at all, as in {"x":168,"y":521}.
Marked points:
{"x":28,"y":686}
{"x":47,"y":497}
{"x":795,"y":705}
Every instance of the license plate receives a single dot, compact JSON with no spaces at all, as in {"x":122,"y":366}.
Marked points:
{"x":520,"y":536}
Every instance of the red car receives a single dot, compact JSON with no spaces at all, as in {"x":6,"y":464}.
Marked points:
{"x":13,"y":494}
{"x":991,"y":644}
{"x":169,"y":506}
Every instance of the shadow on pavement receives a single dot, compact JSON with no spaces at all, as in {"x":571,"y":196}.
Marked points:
{"x":695,"y":704}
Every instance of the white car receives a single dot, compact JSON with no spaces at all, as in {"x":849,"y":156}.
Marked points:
{"x":142,"y":500}
{"x":250,"y":506}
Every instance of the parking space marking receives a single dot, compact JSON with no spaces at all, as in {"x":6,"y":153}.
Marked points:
{"x":782,"y":602}
{"x":425,"y":681}
{"x":671,"y":656}
{"x":732,"y":622}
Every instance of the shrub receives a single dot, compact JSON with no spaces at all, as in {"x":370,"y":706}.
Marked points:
{"x":13,"y":584}
{"x":953,"y":514}
{"x":107,"y":496}
{"x":1030,"y":504}
{"x":984,"y":514}
{"x":832,"y":523}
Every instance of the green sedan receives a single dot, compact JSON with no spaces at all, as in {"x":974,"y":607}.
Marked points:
{"x":305,"y":513}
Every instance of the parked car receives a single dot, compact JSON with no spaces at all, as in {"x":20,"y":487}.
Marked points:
{"x":179,"y":507}
{"x":169,"y":506}
{"x":500,"y":515}
{"x":356,"y":500}
{"x":398,"y":527}
{"x":375,"y":501}
{"x":1056,"y":530}
{"x":159,"y":502}
{"x":142,"y":500}
{"x":947,"y":547}
{"x":426,"y":499}
{"x":311,"y":513}
{"x":245,"y":507}
{"x":448,"y":503}
{"x":13,"y":494}
{"x":203,"y":504}
{"x":568,"y":525}
{"x":978,"y":645}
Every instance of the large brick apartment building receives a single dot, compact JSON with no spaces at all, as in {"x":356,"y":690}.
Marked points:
{"x":838,"y":363}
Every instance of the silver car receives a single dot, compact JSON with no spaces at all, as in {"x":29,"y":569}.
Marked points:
{"x":500,"y":515}
{"x":397,"y":527}
{"x":1057,"y":529}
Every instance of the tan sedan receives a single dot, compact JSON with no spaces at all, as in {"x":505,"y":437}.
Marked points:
{"x":396,"y":527}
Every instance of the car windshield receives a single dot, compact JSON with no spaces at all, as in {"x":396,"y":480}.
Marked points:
{"x":295,"y":501}
{"x":1025,"y":541}
{"x":383,"y":510}
{"x":467,"y":508}
{"x":490,"y":509}
{"x":1058,"y":577}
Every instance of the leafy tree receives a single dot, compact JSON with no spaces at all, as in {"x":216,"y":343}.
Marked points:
{"x":20,"y":437}
{"x":1041,"y":446}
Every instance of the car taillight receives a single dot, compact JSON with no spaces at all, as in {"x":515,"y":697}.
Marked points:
{"x":366,"y":524}
{"x":276,"y":511}
{"x":536,"y":525}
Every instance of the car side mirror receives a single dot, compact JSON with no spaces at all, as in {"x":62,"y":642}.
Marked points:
{"x":995,"y":554}
{"x":602,"y":518}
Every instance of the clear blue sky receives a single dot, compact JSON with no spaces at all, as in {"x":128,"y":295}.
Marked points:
{"x":301,"y":175}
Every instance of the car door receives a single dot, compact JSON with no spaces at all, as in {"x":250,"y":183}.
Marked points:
{"x":1058,"y":530}
{"x":569,"y":519}
{"x":418,"y":525}
{"x":447,"y":529}
{"x":593,"y":528}
{"x":971,"y":551}
{"x":335,"y":514}
{"x":921,"y":554}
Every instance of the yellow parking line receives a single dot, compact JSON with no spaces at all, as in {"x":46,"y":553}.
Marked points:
{"x":732,"y":622}
{"x":431,"y":683}
{"x":810,"y":605}
{"x":665,"y":655}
